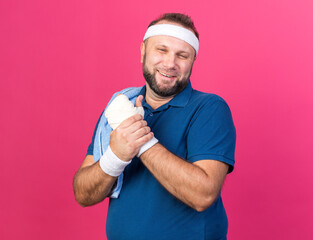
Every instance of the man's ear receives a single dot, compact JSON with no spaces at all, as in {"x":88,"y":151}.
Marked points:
{"x":142,"y":51}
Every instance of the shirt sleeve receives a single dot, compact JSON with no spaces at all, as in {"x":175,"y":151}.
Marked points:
{"x":212,"y":134}
{"x":90,"y":147}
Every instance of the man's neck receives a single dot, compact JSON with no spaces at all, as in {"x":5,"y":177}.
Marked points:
{"x":155,"y":101}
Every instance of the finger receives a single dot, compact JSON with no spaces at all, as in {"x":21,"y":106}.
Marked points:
{"x":132,"y":137}
{"x":138,"y":102}
{"x":136,"y":126}
{"x":131,"y":120}
{"x":141,"y":132}
{"x":144,"y":139}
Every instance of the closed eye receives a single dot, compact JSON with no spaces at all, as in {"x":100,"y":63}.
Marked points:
{"x":161,"y":49}
{"x":183,"y":56}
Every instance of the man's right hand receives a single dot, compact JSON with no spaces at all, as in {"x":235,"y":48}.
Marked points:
{"x":129,"y":136}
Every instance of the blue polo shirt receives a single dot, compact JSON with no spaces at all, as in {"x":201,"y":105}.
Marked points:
{"x":194,"y":126}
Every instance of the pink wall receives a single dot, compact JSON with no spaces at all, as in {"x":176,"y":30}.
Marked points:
{"x":60,"y":61}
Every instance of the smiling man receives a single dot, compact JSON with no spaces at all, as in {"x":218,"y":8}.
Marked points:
{"x":163,"y":171}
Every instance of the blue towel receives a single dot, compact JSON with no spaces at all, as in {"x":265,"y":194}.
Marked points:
{"x":102,"y":137}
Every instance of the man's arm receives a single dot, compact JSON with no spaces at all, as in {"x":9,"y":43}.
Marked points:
{"x":91,"y":185}
{"x":196,"y":184}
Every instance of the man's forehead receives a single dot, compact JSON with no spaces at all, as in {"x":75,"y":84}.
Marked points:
{"x":170,"y":42}
{"x":172,"y":30}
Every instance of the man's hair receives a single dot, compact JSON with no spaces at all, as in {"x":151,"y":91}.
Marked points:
{"x":179,"y":18}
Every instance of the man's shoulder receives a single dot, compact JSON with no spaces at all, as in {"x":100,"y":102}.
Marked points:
{"x":204,"y":98}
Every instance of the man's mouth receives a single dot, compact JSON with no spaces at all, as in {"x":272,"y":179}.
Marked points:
{"x":166,"y":75}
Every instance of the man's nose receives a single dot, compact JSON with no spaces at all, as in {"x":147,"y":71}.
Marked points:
{"x":169,"y":60}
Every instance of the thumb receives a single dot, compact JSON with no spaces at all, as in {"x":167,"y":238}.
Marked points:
{"x":138,"y":102}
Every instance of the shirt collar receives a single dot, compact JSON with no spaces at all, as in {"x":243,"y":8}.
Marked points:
{"x":180,"y":100}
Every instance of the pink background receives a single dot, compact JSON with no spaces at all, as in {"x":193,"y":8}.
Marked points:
{"x":60,"y":61}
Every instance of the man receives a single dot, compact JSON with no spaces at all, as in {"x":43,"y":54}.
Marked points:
{"x":172,"y":190}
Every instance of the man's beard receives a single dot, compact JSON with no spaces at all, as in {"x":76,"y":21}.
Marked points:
{"x":166,"y":92}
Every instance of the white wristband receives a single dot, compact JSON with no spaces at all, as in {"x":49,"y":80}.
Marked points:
{"x":147,"y":145}
{"x":111,"y":164}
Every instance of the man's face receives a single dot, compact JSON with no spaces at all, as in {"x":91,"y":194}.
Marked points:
{"x":167,"y":64}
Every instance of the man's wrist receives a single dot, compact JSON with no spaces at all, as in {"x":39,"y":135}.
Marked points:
{"x":147,"y":146}
{"x":111,"y":164}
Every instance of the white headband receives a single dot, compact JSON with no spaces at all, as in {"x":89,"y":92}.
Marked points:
{"x":173,"y":31}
